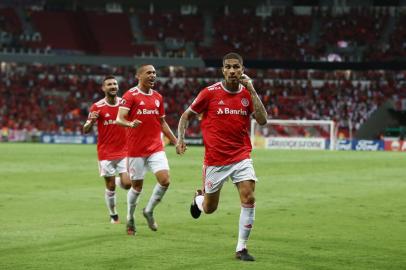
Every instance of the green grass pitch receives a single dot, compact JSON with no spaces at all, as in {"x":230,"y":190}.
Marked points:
{"x":315,"y":210}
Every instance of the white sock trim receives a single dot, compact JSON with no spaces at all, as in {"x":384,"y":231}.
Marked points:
{"x":199,"y":202}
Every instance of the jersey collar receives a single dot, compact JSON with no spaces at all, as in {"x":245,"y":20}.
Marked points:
{"x":117,"y":99}
{"x":149,"y":94}
{"x":224,"y":88}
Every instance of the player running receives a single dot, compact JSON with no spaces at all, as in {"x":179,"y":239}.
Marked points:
{"x":111,"y":143}
{"x":227,"y":108}
{"x":142,"y":110}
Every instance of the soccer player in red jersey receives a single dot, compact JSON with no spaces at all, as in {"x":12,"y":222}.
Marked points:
{"x":142,"y":111}
{"x":111,"y":143}
{"x":227,"y":108}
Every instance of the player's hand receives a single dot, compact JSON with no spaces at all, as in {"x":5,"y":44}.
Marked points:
{"x":181,"y":147}
{"x":94,"y":115}
{"x":245,"y":80}
{"x":135,"y":123}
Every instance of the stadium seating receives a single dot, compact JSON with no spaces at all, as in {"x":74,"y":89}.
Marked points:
{"x":285,"y":35}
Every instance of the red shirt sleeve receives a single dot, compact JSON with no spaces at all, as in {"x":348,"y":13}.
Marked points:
{"x":127,"y":100}
{"x":161,"y":107}
{"x":201,"y":102}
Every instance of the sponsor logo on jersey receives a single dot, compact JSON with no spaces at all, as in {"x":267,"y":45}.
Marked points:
{"x":245,"y":102}
{"x":146,"y":111}
{"x":109,"y":122}
{"x":142,"y":103}
{"x":221,"y":102}
{"x":231,"y":111}
{"x":107,"y":115}
{"x":157,"y":102}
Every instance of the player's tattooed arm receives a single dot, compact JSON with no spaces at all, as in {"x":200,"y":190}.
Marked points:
{"x":183,"y":124}
{"x":168,"y":132}
{"x":89,"y":123}
{"x":260,"y":113}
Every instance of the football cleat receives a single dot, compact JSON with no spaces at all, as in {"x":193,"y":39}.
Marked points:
{"x":194,"y":210}
{"x":150,"y":220}
{"x":114,"y":219}
{"x":131,"y":227}
{"x":243,"y":255}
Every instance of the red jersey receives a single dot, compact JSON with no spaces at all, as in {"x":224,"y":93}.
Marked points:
{"x":111,"y":141}
{"x":145,"y":139}
{"x":225,"y":124}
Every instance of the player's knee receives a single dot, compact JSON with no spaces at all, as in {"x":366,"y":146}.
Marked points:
{"x":165,"y":184}
{"x":127,"y":186}
{"x":137,"y":185}
{"x":111,"y":186}
{"x":248,"y":200}
{"x":164,"y":181}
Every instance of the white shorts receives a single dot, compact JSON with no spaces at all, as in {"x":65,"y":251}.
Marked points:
{"x":109,"y":168}
{"x":216,"y":176}
{"x":139,"y":165}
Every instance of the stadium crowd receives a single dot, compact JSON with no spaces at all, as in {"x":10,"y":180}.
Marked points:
{"x":277,"y":33}
{"x":56,"y":98}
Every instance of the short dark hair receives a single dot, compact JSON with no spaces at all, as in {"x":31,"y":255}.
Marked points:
{"x":233,"y":55}
{"x":141,"y":67}
{"x":108,"y":77}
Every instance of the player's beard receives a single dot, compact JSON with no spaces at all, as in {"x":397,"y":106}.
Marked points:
{"x":112,"y":95}
{"x":232,"y":83}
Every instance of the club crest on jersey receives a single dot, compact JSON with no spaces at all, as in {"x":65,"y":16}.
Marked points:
{"x":245,"y":102}
{"x":123,"y":101}
{"x":157,"y":102}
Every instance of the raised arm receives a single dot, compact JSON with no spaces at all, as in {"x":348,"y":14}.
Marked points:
{"x":122,"y":119}
{"x":89,"y":123}
{"x":183,"y":124}
{"x":168,"y":132}
{"x":260,"y":113}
